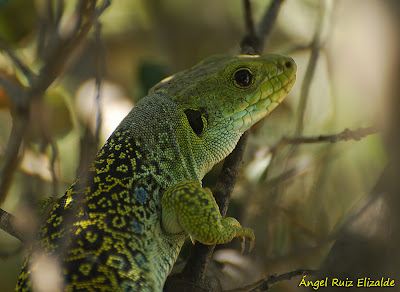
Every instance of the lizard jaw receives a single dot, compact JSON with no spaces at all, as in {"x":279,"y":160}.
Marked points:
{"x":271,"y":94}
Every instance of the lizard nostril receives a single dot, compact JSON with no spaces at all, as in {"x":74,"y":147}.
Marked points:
{"x":288,"y":64}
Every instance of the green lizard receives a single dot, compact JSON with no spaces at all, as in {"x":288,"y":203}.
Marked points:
{"x":121,"y":225}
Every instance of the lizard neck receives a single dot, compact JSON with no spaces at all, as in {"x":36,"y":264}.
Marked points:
{"x":155,"y":124}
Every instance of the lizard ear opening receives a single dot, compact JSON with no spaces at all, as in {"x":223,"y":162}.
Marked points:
{"x":195,"y":120}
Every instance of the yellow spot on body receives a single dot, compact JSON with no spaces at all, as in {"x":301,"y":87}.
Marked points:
{"x":85,"y":269}
{"x":118,"y":222}
{"x":68,"y":201}
{"x":58,"y":221}
{"x":114,"y":196}
{"x":122,"y":168}
{"x":91,"y":237}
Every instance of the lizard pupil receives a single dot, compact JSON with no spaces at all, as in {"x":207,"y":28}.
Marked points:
{"x":243,"y":77}
{"x":195,"y":120}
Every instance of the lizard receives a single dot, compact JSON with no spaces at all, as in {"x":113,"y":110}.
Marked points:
{"x":122,"y":223}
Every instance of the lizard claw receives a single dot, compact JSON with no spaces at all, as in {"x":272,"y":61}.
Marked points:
{"x":192,"y":240}
{"x":250,"y":236}
{"x":251,"y":245}
{"x":242,"y":244}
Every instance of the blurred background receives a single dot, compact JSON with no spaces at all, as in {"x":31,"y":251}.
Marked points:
{"x":300,"y":200}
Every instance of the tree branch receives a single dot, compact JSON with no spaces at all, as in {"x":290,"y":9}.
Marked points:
{"x":200,"y":255}
{"x":58,"y":52}
{"x":7,"y":223}
{"x":272,"y":280}
{"x":346,"y":135}
{"x":265,"y":28}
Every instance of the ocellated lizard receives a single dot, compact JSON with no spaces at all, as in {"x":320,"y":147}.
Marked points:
{"x":121,"y":225}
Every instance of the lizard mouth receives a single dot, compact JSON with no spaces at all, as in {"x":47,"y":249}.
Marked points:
{"x":271,"y":96}
{"x":271,"y":93}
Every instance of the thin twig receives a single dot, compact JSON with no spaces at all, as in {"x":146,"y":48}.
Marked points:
{"x":377,"y":192}
{"x":7,"y":222}
{"x":59,"y":11}
{"x":264,"y":285}
{"x":14,"y":92}
{"x":17,"y":62}
{"x":11,"y":161}
{"x":49,"y":14}
{"x":265,"y":28}
{"x":248,"y":17}
{"x":272,"y":280}
{"x":100,"y":64}
{"x":103,"y":7}
{"x":54,"y":156}
{"x":345,"y":135}
{"x":254,"y":40}
{"x":249,"y":44}
{"x":55,"y":61}
{"x":312,"y":64}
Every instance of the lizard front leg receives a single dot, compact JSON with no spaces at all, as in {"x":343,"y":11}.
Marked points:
{"x":189,"y":207}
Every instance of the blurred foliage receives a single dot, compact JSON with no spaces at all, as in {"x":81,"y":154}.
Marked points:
{"x":296,"y":203}
{"x":17,"y":20}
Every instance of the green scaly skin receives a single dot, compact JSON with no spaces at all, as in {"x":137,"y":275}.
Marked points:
{"x":121,"y":225}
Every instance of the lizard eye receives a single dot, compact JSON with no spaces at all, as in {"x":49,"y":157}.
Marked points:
{"x":195,"y":120}
{"x":243,"y":77}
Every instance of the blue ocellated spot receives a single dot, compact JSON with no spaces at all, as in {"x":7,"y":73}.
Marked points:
{"x":137,"y":226}
{"x":140,"y":259}
{"x":128,"y":286}
{"x":141,"y":195}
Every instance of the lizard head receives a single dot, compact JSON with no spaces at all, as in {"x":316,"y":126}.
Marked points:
{"x":223,"y":96}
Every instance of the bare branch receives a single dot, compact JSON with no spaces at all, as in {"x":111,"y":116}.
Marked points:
{"x":17,"y":62}
{"x":254,"y":40}
{"x":100,"y":68}
{"x":346,"y":135}
{"x":312,"y":63}
{"x":60,"y":51}
{"x":200,"y":256}
{"x":265,"y":28}
{"x":54,"y":156}
{"x":11,"y":161}
{"x":248,"y":17}
{"x":15,"y":92}
{"x":7,"y":222}
{"x":264,"y":285}
{"x":197,"y":263}
{"x":272,"y":280}
{"x":250,"y":42}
